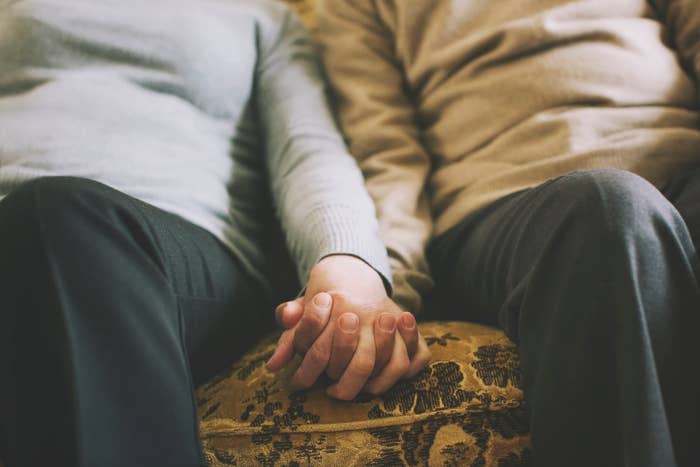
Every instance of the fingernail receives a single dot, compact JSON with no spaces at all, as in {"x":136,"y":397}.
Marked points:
{"x":387,"y":323}
{"x":322,"y":300}
{"x":348,"y":322}
{"x":408,"y":321}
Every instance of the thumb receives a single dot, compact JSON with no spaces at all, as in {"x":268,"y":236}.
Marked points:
{"x":288,"y":314}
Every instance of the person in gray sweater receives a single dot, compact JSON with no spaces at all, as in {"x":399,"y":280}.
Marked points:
{"x":146,"y":149}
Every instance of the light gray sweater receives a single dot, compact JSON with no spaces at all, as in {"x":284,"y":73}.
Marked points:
{"x":199,"y":107}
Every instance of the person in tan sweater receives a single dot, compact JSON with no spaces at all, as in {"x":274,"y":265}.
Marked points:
{"x":551,"y":149}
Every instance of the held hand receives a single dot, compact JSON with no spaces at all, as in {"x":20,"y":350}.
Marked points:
{"x":307,"y":320}
{"x":305,"y":325}
{"x":408,"y":356}
{"x":289,"y":314}
{"x":331,"y":343}
{"x":350,"y":354}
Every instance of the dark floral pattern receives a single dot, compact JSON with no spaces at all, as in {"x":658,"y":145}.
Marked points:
{"x":511,"y":423}
{"x":242,"y":372}
{"x":309,"y":451}
{"x":269,"y":412}
{"x":312,"y":450}
{"x":474,"y":374}
{"x":268,"y":459}
{"x":462,"y":453}
{"x":402,"y":445}
{"x":498,"y":365}
{"x":436,"y":387}
{"x":210,"y":411}
{"x":389,"y":442}
{"x":442,"y":340}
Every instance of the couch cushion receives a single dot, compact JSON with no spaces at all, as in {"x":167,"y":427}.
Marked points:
{"x":465,"y":408}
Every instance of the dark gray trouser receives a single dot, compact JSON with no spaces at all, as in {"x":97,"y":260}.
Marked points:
{"x":110,"y":311}
{"x":594,"y":275}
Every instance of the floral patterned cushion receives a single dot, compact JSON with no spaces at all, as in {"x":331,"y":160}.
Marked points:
{"x":465,"y":408}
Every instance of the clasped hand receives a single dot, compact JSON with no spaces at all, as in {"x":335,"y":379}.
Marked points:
{"x":346,"y":326}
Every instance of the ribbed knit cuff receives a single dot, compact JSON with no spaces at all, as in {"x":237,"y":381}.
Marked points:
{"x":339,"y":230}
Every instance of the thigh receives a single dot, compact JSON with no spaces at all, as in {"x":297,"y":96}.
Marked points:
{"x":592,"y":275}
{"x":563,"y":233}
{"x":127,"y":246}
{"x":107,"y":302}
{"x":224,"y":310}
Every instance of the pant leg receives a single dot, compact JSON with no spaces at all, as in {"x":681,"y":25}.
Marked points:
{"x":105,"y":300}
{"x":683,"y":191}
{"x":593,"y":275}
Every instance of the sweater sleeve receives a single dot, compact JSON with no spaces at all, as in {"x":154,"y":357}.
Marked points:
{"x":318,"y":190}
{"x":682,"y":18}
{"x":378,"y":119}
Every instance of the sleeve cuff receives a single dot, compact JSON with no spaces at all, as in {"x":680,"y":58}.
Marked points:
{"x":339,"y":230}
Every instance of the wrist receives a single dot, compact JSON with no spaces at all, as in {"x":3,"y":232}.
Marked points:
{"x":349,"y":275}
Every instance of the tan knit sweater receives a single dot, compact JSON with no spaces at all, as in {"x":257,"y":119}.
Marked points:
{"x":451,"y":104}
